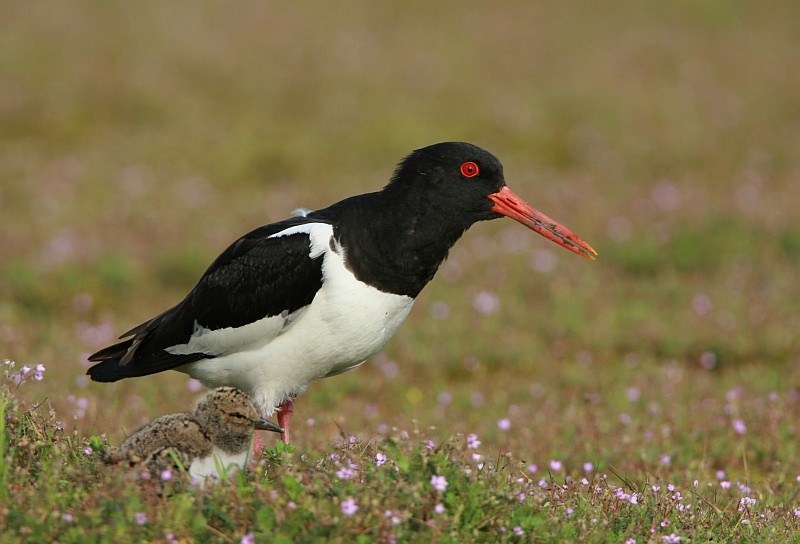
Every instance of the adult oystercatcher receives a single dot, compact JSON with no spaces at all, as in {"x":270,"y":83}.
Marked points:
{"x":318,"y":294}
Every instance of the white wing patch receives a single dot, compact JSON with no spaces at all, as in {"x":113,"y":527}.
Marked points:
{"x":319,"y":234}
{"x":231,"y":339}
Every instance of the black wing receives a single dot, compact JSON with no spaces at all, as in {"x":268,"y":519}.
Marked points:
{"x":256,"y":277}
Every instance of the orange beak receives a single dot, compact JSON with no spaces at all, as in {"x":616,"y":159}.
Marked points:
{"x":510,"y":205}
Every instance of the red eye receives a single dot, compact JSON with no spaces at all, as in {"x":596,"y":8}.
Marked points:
{"x":469,"y":169}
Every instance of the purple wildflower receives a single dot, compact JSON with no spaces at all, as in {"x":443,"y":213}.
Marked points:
{"x":141,"y":518}
{"x":439,"y":483}
{"x":344,"y":473}
{"x":349,"y":507}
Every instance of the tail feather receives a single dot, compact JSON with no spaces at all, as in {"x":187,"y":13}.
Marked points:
{"x":112,"y":352}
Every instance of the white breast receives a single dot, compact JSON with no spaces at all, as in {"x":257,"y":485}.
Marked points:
{"x":347,"y":322}
{"x":217,"y":463}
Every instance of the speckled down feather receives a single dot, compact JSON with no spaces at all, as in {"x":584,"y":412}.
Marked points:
{"x":223,"y":420}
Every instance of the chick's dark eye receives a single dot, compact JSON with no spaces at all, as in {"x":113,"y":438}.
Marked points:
{"x":469,"y":169}
{"x":237,"y":415}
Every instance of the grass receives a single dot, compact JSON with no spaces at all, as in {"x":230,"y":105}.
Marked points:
{"x":136,"y":142}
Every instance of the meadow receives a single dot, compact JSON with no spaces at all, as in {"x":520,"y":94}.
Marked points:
{"x":531,"y":396}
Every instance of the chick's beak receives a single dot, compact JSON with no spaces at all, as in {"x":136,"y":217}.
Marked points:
{"x":264,"y":425}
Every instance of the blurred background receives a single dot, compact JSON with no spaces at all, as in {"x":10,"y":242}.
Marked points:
{"x":138,"y":140}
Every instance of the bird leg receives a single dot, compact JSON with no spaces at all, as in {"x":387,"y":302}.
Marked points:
{"x":258,"y":445}
{"x":285,"y":411}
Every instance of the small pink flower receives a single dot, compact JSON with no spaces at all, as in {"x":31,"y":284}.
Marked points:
{"x":67,"y":517}
{"x":439,"y":483}
{"x":249,"y":538}
{"x":88,"y":451}
{"x":344,"y":473}
{"x":193,"y":385}
{"x":556,"y":466}
{"x":141,"y":518}
{"x":166,"y":475}
{"x":504,"y":424}
{"x":439,"y":508}
{"x":349,"y":507}
{"x":588,"y":467}
{"x":518,"y":531}
{"x":533,"y":469}
{"x":380,"y":459}
{"x":738,"y":426}
{"x":473,"y":442}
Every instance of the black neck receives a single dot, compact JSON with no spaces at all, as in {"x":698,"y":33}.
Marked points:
{"x":391,"y":242}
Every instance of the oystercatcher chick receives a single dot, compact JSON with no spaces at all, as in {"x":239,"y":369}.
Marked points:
{"x":218,"y":433}
{"x":316,"y":295}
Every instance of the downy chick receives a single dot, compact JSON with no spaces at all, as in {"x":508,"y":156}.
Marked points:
{"x":221,"y":427}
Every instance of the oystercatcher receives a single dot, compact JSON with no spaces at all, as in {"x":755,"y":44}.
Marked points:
{"x":318,"y":294}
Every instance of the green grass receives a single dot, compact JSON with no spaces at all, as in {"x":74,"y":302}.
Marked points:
{"x":137,"y":141}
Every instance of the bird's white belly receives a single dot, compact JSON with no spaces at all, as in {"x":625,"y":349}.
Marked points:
{"x":347,"y":322}
{"x":214,"y":464}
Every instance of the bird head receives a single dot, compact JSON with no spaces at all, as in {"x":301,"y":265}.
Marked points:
{"x":461,"y":184}
{"x":230,"y":411}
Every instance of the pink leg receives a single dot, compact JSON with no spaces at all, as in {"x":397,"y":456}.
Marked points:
{"x":285,"y":411}
{"x":258,"y":445}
